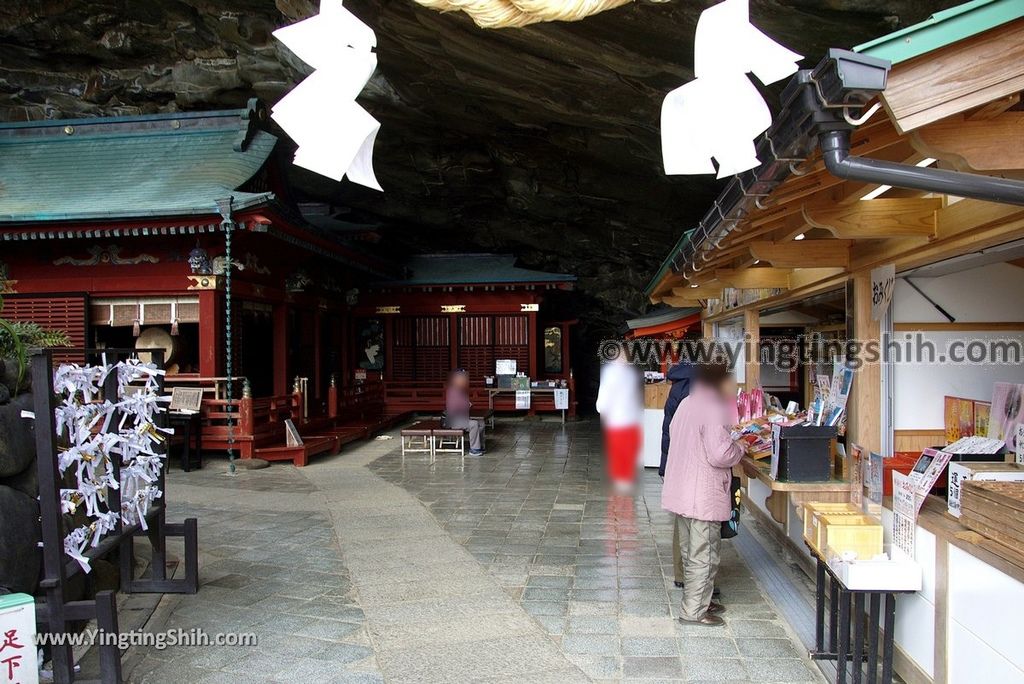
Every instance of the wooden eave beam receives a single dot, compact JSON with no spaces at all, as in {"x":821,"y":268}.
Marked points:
{"x":992,"y":144}
{"x":956,"y":78}
{"x":803,"y":253}
{"x":878,"y":218}
{"x":708,"y":291}
{"x":754,"y":278}
{"x":681,"y":302}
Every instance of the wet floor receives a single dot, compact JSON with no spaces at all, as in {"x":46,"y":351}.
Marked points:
{"x":515,"y":566}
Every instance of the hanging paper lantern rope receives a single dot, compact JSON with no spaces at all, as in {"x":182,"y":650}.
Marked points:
{"x":86,"y":423}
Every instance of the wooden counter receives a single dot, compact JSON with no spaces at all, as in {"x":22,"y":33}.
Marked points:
{"x":935,"y":518}
{"x":796,"y":493}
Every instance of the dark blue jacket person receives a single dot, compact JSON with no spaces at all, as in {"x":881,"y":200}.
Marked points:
{"x":680,"y":376}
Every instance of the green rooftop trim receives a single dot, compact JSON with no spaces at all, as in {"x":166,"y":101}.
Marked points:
{"x":667,"y":264}
{"x":942,"y":29}
{"x":15,"y":600}
{"x":164,"y":165}
{"x":473,"y":269}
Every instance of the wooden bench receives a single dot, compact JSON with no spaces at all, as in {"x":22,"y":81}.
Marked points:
{"x":418,"y":438}
{"x":430,"y":436}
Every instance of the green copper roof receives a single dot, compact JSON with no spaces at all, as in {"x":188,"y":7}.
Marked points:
{"x":943,"y":28}
{"x":127,"y":167}
{"x":667,"y":263}
{"x":14,"y":600}
{"x":473,"y":269}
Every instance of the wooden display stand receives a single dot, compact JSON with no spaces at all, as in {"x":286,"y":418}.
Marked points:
{"x":58,"y":614}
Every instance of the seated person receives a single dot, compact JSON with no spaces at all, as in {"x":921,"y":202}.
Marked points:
{"x":456,"y":407}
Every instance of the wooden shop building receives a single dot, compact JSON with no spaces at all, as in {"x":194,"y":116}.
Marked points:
{"x":790,"y":246}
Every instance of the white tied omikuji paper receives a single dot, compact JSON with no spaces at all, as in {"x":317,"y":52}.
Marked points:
{"x":720,"y":113}
{"x":83,"y":421}
{"x":334,"y":134}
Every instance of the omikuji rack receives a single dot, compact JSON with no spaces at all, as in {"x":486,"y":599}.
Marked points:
{"x":53,"y":610}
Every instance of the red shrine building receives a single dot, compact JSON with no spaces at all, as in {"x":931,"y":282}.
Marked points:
{"x":118,"y":231}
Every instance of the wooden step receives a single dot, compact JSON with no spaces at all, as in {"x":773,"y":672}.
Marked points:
{"x":312,"y":445}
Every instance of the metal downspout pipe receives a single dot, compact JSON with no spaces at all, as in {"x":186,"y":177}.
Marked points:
{"x":835,"y":150}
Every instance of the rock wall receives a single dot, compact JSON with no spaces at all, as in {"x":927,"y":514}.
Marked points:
{"x":19,"y":508}
{"x":542,"y":141}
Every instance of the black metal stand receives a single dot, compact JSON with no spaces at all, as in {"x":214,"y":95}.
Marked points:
{"x":846,"y":606}
{"x":54,"y":610}
{"x":190,"y":426}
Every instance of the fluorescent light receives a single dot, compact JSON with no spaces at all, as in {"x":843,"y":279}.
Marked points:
{"x":799,"y":237}
{"x":882,"y":189}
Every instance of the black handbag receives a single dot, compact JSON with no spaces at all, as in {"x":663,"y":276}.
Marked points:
{"x":731,"y":527}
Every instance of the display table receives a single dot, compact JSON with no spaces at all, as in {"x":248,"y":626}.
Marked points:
{"x":846,"y":647}
{"x":786,"y":494}
{"x":494,"y":391}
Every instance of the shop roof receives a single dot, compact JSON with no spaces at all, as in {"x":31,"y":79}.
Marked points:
{"x":473,"y":269}
{"x":126,"y":167}
{"x":660,"y":316}
{"x":943,"y":28}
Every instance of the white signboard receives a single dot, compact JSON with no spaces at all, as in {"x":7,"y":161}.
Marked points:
{"x":505,"y":367}
{"x":522,"y":399}
{"x":926,"y":473}
{"x":904,"y":508}
{"x":18,"y":661}
{"x":186,"y":399}
{"x":1018,"y":443}
{"x":562,"y":400}
{"x":883,"y":281}
{"x":291,"y":434}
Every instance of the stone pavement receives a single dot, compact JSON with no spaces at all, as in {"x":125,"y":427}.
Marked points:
{"x":518,"y":566}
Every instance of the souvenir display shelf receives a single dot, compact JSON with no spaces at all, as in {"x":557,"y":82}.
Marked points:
{"x":53,"y":610}
{"x":848,"y":644}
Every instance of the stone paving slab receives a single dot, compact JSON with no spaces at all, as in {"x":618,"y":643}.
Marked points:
{"x":517,"y":567}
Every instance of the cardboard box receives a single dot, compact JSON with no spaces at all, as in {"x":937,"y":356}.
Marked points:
{"x":991,"y":471}
{"x":814,"y":509}
{"x":861,"y":534}
{"x":898,"y":574}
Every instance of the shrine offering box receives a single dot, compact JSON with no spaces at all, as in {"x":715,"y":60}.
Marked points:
{"x":804,"y":453}
{"x":989,"y":472}
{"x":814,"y":509}
{"x":859,"y":534}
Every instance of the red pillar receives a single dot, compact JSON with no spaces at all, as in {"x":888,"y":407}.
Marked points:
{"x":318,"y":352}
{"x":280,"y":349}
{"x":211,"y":333}
{"x":453,"y":343}
{"x":532,"y":335}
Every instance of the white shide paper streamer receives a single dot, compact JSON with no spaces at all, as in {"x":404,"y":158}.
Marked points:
{"x":720,"y":113}
{"x":334,"y":134}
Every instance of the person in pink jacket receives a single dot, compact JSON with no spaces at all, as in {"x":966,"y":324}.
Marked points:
{"x":697,"y":479}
